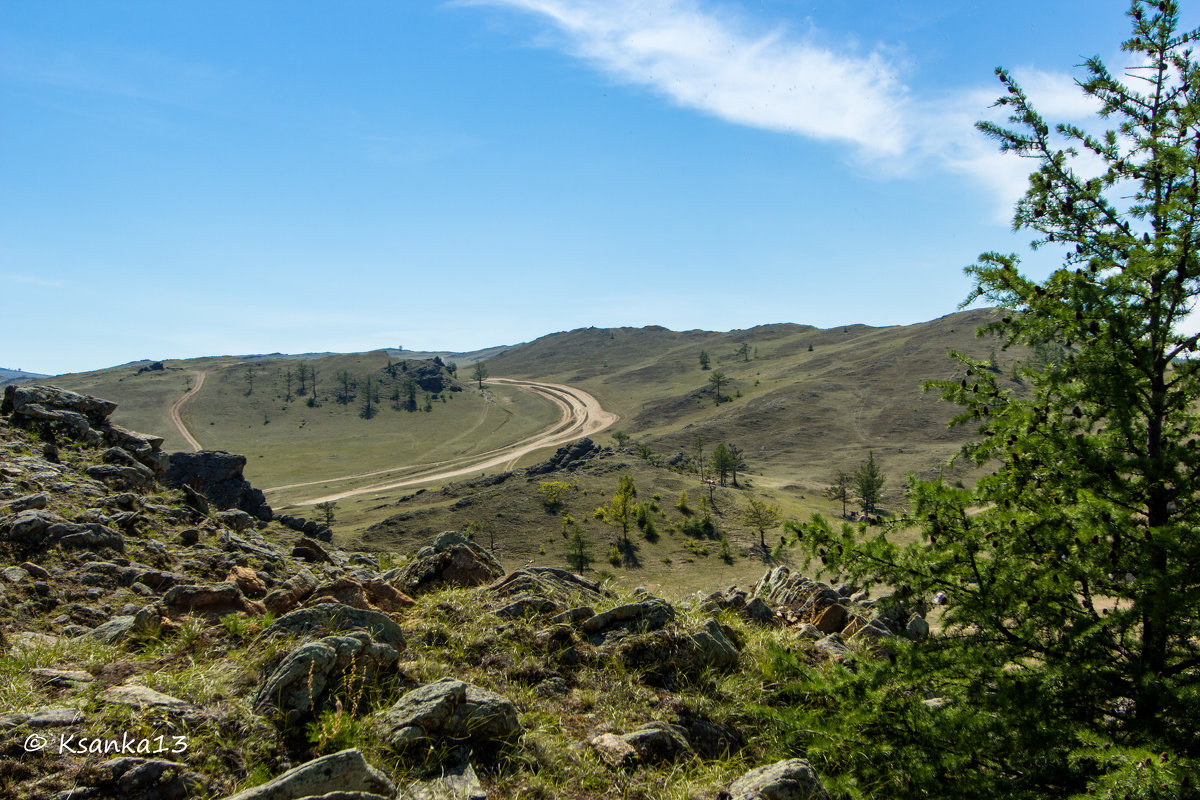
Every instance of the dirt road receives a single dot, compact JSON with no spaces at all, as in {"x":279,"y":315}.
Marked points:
{"x":177,"y":406}
{"x":581,"y":415}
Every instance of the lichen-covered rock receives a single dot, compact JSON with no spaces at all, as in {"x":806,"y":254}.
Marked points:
{"x":453,"y":560}
{"x":217,"y":599}
{"x":793,"y":779}
{"x":342,"y":772}
{"x":659,"y":742}
{"x":337,"y":618}
{"x":650,"y":614}
{"x":451,"y":710}
{"x":298,"y":684}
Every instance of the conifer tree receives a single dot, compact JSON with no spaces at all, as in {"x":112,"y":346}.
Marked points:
{"x":1069,"y":664}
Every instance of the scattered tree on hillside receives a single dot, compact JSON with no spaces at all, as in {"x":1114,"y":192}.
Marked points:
{"x":743,"y":351}
{"x":760,"y":515}
{"x":370,"y":398}
{"x":327,"y":509}
{"x":346,"y":387}
{"x":737,"y":461}
{"x":409,"y":387}
{"x":452,"y":368}
{"x":715,"y":380}
{"x":868,"y":484}
{"x":839,"y":490}
{"x":312,"y":375}
{"x":704,"y":359}
{"x":302,"y":379}
{"x":579,"y":549}
{"x":621,"y":510}
{"x":288,"y":378}
{"x":479,"y":372}
{"x":621,"y":438}
{"x":1068,"y":665}
{"x":249,"y":379}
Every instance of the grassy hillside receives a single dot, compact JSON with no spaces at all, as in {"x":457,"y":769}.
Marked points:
{"x":800,"y":402}
{"x":290,"y":442}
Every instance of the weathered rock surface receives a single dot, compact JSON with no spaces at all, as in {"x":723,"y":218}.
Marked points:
{"x":452,"y":710}
{"x":567,"y":457}
{"x":793,"y":779}
{"x":456,"y":783}
{"x":148,"y":779}
{"x":216,"y":599}
{"x":218,"y":476}
{"x":346,"y":771}
{"x":337,"y":618}
{"x":298,"y":684}
{"x":369,"y":594}
{"x":452,"y":560}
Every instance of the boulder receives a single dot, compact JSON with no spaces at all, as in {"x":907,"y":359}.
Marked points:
{"x":369,"y":594}
{"x":793,"y":779}
{"x":650,"y":614}
{"x":145,"y":698}
{"x":567,"y":457}
{"x":337,"y":618}
{"x":248,"y":581}
{"x":456,"y":783}
{"x":218,"y":476}
{"x":218,"y":599}
{"x":614,"y":751}
{"x":28,"y":502}
{"x":346,"y":772}
{"x":659,"y":742}
{"x":235,"y":519}
{"x":18,"y":399}
{"x":453,"y":560}
{"x":148,"y":779}
{"x":297,"y":686}
{"x":450,"y":710}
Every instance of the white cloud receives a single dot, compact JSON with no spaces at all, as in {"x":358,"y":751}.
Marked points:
{"x":713,"y":60}
{"x":33,"y":280}
{"x":717,"y":63}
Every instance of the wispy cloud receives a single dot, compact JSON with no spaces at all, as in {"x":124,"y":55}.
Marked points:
{"x":714,"y":60}
{"x":776,"y":79}
{"x":32,"y":280}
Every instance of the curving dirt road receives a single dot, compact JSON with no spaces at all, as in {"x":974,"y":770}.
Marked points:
{"x":581,"y":415}
{"x":178,"y":405}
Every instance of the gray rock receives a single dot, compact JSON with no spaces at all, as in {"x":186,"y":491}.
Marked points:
{"x":343,"y":772}
{"x":62,"y":677}
{"x":646,"y":615}
{"x":236,"y":519}
{"x":917,"y":628}
{"x":659,"y":742}
{"x":143,"y":697}
{"x":456,"y":562}
{"x":300,"y":680}
{"x":450,"y":709}
{"x":713,"y":648}
{"x":16,"y":575}
{"x":29,"y":501}
{"x":49,"y":717}
{"x":115,"y":630}
{"x":614,"y":751}
{"x":149,"y":779}
{"x":218,"y":476}
{"x":338,"y":618}
{"x":793,"y":779}
{"x":457,"y":783}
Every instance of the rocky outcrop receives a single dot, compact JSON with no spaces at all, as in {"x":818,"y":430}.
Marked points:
{"x":306,"y":526}
{"x":452,"y":560}
{"x":450,"y":710}
{"x":543,"y":591}
{"x":82,"y":418}
{"x":793,"y":779}
{"x":369,"y":594}
{"x":298,"y":685}
{"x":341,"y":773}
{"x":567,"y":457}
{"x":217,"y":475}
{"x":337,"y":618}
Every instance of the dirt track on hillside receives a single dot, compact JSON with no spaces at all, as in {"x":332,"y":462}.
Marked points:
{"x":178,"y":405}
{"x":581,"y":415}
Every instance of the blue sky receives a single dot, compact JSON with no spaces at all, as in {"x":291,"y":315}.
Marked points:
{"x":198,"y":178}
